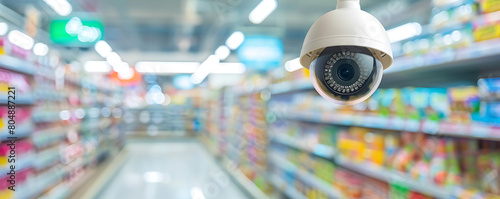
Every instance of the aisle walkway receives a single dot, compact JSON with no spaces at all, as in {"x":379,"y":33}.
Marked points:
{"x":173,"y":170}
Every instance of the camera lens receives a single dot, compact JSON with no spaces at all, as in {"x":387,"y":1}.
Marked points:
{"x":345,"y":72}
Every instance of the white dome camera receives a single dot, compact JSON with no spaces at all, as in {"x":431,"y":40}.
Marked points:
{"x":346,"y":51}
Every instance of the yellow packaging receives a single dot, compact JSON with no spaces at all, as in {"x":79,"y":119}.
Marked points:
{"x":487,"y":32}
{"x":6,"y":194}
{"x":306,"y":73}
{"x":488,"y":6}
{"x":3,"y":160}
{"x":378,"y":157}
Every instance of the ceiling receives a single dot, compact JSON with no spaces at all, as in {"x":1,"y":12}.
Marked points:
{"x":192,"y":29}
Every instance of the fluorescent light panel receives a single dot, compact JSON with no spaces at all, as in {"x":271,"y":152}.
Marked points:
{"x":404,"y":32}
{"x":97,"y":67}
{"x":229,"y":68}
{"x":61,"y":7}
{"x":205,"y":69}
{"x":293,"y":65}
{"x":262,"y":11}
{"x":102,"y":48}
{"x":222,"y":52}
{"x":166,"y":67}
{"x":235,"y":40}
{"x":187,"y":68}
{"x":40,"y":49}
{"x":4,"y":28}
{"x":116,"y":62}
{"x":20,"y":39}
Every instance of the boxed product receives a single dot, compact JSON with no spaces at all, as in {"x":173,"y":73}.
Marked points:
{"x":454,"y":14}
{"x":486,"y":28}
{"x":464,"y":104}
{"x":12,"y":79}
{"x":488,"y":6}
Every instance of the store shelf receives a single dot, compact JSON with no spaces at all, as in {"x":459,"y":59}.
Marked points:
{"x":463,"y":65}
{"x":23,"y":161}
{"x":45,"y":180}
{"x":49,"y":96}
{"x":246,"y":183}
{"x":64,"y":190}
{"x":16,"y":65}
{"x":396,"y":177}
{"x":21,"y":99}
{"x":319,"y":150}
{"x":50,"y":136}
{"x":288,"y":190}
{"x":42,"y":117}
{"x":475,"y":130}
{"x":295,"y":86}
{"x":47,"y":158}
{"x":21,"y":131}
{"x":308,"y":178}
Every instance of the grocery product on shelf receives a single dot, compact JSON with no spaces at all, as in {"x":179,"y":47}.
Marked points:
{"x":488,"y":6}
{"x":410,"y":151}
{"x":53,"y":149}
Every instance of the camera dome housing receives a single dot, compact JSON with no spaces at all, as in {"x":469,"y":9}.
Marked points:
{"x":354,"y":31}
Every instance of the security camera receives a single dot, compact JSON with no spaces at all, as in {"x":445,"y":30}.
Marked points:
{"x":346,"y":51}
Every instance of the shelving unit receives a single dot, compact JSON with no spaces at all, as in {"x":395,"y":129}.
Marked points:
{"x":56,"y":157}
{"x":309,"y":179}
{"x":289,"y":191}
{"x":16,"y":65}
{"x":20,"y":100}
{"x":474,"y":130}
{"x":393,"y":176}
{"x":365,"y":169}
{"x":319,"y":150}
{"x":241,"y":179}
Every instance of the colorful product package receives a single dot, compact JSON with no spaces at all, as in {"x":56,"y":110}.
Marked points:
{"x":486,"y":28}
{"x":488,"y":6}
{"x":438,"y":168}
{"x":439,"y":107}
{"x":489,"y":88}
{"x":444,"y":3}
{"x":468,"y":158}
{"x":464,"y":104}
{"x":488,"y":164}
{"x":453,"y":15}
{"x":406,"y":98}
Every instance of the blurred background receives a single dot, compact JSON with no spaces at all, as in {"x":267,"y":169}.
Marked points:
{"x":205,"y":99}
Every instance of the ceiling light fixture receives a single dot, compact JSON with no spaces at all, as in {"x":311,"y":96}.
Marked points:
{"x":102,"y":48}
{"x":205,"y":69}
{"x":262,"y":11}
{"x":228,"y":68}
{"x":222,"y":52}
{"x":97,"y":67}
{"x":40,"y":49}
{"x":61,"y":7}
{"x":235,"y":40}
{"x":4,"y":27}
{"x":166,"y":67}
{"x":20,"y":39}
{"x":293,"y":65}
{"x":404,"y":32}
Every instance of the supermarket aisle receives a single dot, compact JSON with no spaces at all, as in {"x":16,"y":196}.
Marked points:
{"x":177,"y":170}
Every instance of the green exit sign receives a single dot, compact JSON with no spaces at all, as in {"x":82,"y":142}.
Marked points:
{"x":76,"y":32}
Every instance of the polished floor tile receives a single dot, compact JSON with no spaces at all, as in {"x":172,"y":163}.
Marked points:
{"x":174,"y":170}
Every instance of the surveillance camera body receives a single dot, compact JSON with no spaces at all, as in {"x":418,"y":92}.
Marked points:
{"x":346,"y":51}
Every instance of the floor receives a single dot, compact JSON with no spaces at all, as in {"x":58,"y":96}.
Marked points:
{"x":174,"y":170}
